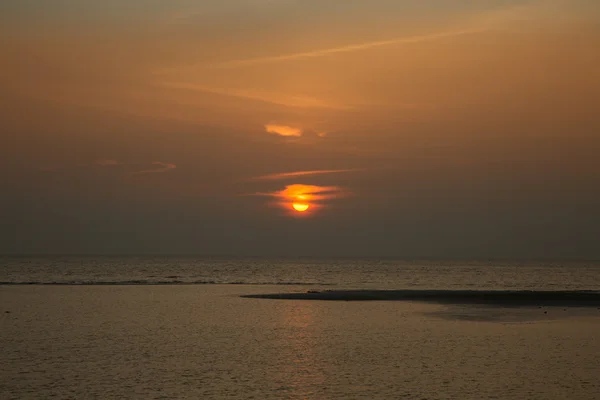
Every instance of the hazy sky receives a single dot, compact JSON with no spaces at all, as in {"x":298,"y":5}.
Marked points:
{"x":429,"y":128}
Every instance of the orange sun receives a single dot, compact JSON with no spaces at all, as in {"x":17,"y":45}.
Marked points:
{"x":300,"y":207}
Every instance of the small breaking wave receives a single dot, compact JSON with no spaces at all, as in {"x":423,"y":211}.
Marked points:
{"x":143,"y":282}
{"x":506,"y":298}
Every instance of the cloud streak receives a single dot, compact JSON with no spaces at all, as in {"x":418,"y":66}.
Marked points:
{"x":279,"y":99}
{"x":484,"y":22}
{"x":312,"y":197}
{"x":98,"y":163}
{"x":348,"y":48}
{"x":108,"y":163}
{"x":307,"y":193}
{"x":160,"y":167}
{"x":286,"y":175}
{"x":283,"y":130}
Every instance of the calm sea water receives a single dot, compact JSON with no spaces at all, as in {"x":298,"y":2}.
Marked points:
{"x":344,"y":274}
{"x":169,"y":327}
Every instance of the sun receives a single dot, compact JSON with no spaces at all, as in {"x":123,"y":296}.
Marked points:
{"x":300,"y":207}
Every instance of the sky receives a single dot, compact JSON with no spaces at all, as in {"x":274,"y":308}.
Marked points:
{"x":350,"y":128}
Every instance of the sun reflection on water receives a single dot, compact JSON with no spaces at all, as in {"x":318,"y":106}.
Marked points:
{"x":302,"y":372}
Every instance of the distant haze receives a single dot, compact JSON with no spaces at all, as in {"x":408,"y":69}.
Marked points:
{"x":430,"y":129}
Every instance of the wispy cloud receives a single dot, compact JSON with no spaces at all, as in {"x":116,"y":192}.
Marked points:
{"x":348,"y":48}
{"x":287,"y":175}
{"x":473,"y":24}
{"x":283,"y":130}
{"x":306,"y":193}
{"x":311,"y":197}
{"x":97,"y":163}
{"x":280,"y":99}
{"x":108,"y":163}
{"x":159,"y":167}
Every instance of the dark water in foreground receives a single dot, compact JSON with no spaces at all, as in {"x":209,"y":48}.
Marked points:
{"x":158,"y":328}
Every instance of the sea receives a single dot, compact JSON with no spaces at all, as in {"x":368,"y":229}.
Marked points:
{"x":183,"y":327}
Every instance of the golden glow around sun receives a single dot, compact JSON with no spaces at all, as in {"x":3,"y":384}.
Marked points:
{"x":304,"y":200}
{"x":300,"y":207}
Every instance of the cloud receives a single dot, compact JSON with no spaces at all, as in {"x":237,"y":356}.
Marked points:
{"x":98,"y":163}
{"x":160,"y":167}
{"x":479,"y":23}
{"x":280,"y":99}
{"x":305,"y":193}
{"x":308,"y":193}
{"x":108,"y":163}
{"x":286,"y":175}
{"x":297,"y":135}
{"x":312,"y":196}
{"x":348,"y":48}
{"x":283,"y":130}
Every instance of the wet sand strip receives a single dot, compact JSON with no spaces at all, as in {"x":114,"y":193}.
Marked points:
{"x":505,"y":298}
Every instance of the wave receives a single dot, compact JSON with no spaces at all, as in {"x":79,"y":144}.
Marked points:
{"x":143,"y":282}
{"x":507,"y":298}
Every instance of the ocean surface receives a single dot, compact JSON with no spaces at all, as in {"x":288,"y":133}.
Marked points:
{"x":235,"y":328}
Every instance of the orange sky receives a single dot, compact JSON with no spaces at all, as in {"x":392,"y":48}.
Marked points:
{"x":440,"y":117}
